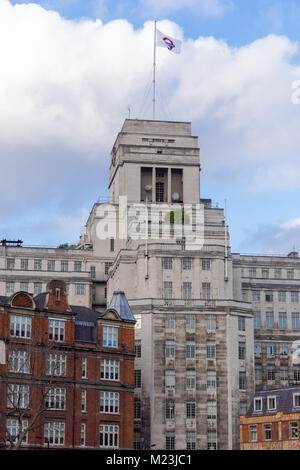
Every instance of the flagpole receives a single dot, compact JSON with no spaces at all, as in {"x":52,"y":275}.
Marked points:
{"x":154,"y":67}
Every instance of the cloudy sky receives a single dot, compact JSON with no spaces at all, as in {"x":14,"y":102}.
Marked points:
{"x":70,"y":69}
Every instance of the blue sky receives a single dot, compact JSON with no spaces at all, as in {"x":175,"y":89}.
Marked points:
{"x":67,"y":81}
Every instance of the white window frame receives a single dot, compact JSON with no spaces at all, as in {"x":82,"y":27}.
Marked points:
{"x":110,"y":335}
{"x":109,"y":402}
{"x":110,"y":436}
{"x":255,"y":401}
{"x":110,"y":370}
{"x":54,"y":433}
{"x":296,"y":395}
{"x":19,"y":361}
{"x":57,"y":329}
{"x":19,"y":324}
{"x":17,"y":396}
{"x":56,"y":364}
{"x":269,"y":398}
{"x":56,"y":399}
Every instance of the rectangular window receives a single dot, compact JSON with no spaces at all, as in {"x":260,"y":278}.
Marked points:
{"x":241,"y":323}
{"x":296,"y":373}
{"x":294,"y":429}
{"x":242,"y":380}
{"x":190,"y":379}
{"x":19,"y":361}
{"x":253,"y":433}
{"x":290,"y":273}
{"x":56,"y":364}
{"x":64,"y":265}
{"x":170,"y":409}
{"x":170,"y":440}
{"x":190,"y":322}
{"x":137,"y":408}
{"x":271,"y":403}
{"x":190,"y":349}
{"x":54,"y":433}
{"x":295,"y":321}
{"x":282,"y":321}
{"x":205,"y":264}
{"x":242,"y":350}
{"x":210,"y":322}
{"x":93,"y":272}
{"x":110,"y":369}
{"x":170,"y":321}
{"x":257,"y":348}
{"x":265,"y":273}
{"x":284,"y":373}
{"x":159,"y":192}
{"x":24,"y":286}
{"x":170,"y":349}
{"x":257,"y":404}
{"x":210,"y":349}
{"x":211,"y":380}
{"x":37,"y":264}
{"x":191,"y":440}
{"x":187,"y":264}
{"x":187,"y":290}
{"x":56,"y":330}
{"x":109,"y":436}
{"x":10,"y":288}
{"x":282,"y":296}
{"x":168,"y":290}
{"x":167,"y":262}
{"x":110,"y":336}
{"x":137,"y":439}
{"x":80,"y":289}
{"x":109,"y":402}
{"x":211,"y":409}
{"x":296,"y":400}
{"x":252,"y":272}
{"x":269,"y":296}
{"x":82,"y":434}
{"x":269,"y":320}
{"x":258,"y":372}
{"x":107,"y":265}
{"x":294,"y":296}
{"x":56,"y":399}
{"x":83,"y":368}
{"x":283,"y":349}
{"x":20,"y":326}
{"x":12,"y":430}
{"x":51,"y":265}
{"x":37,"y":288}
{"x":83,"y":400}
{"x":24,"y":264}
{"x":206,"y":290}
{"x":137,"y":378}
{"x":271,"y":373}
{"x":268,"y":432}
{"x":138,"y":348}
{"x":191,"y":409}
{"x":270,"y":349}
{"x":211,"y":440}
{"x":112,"y":244}
{"x":256,"y":320}
{"x":17,"y":396}
{"x":170,"y":379}
{"x":77,"y":266}
{"x":277,"y":273}
{"x":256,"y":295}
{"x":10,"y":263}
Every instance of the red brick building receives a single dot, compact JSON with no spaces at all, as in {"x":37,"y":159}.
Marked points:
{"x":66,"y":372}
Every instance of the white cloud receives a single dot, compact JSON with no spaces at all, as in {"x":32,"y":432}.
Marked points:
{"x":65,"y":87}
{"x":291,"y":224}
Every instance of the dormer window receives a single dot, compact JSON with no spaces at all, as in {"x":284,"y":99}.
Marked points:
{"x":257,"y":404}
{"x":271,"y":401}
{"x":57,"y":294}
{"x":296,"y":400}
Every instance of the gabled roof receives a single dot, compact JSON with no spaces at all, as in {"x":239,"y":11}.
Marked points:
{"x":120,"y":304}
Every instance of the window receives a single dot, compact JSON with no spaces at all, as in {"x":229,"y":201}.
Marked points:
{"x":190,"y":349}
{"x":241,"y":323}
{"x":19,"y":361}
{"x":295,"y":321}
{"x":83,"y":400}
{"x":168,"y":290}
{"x":294,"y":429}
{"x":17,"y":396}
{"x":296,"y":400}
{"x":277,"y":273}
{"x":110,"y":336}
{"x":210,"y":349}
{"x":77,"y":266}
{"x":269,"y":320}
{"x":253,"y":433}
{"x":109,"y":436}
{"x":24,"y":264}
{"x":170,"y":440}
{"x":294,"y":296}
{"x":37,"y":264}
{"x":167,"y":263}
{"x":159,"y":192}
{"x":187,"y":264}
{"x":137,"y":408}
{"x":270,"y":349}
{"x":297,"y":373}
{"x":205,"y":264}
{"x":80,"y":289}
{"x":284,"y":373}
{"x":82,"y":434}
{"x":190,"y":379}
{"x":10,"y":263}
{"x":191,"y":409}
{"x":112,"y":244}
{"x":242,"y":350}
{"x":138,"y":348}
{"x":170,"y":349}
{"x":187,"y":290}
{"x":281,"y":296}
{"x":64,"y":266}
{"x":56,"y":399}
{"x":256,"y":320}
{"x":211,"y":409}
{"x":54,"y":433}
{"x":107,"y":265}
{"x":24,"y":286}
{"x":265,"y":273}
{"x":257,"y":404}
{"x":210,"y":322}
{"x":37,"y":288}
{"x":93,"y":272}
{"x":109,"y":369}
{"x":12,"y":429}
{"x":256,"y":295}
{"x":244,"y":295}
{"x":20,"y":326}
{"x":170,"y":409}
{"x":10,"y":287}
{"x":271,"y":372}
{"x":258,"y":372}
{"x":137,"y":378}
{"x":271,"y":403}
{"x":56,"y":364}
{"x":56,"y":330}
{"x":206,"y":290}
{"x":211,"y":379}
{"x":269,"y":295}
{"x":109,"y":402}
{"x":283,"y":349}
{"x":290,"y":274}
{"x":268,"y":432}
{"x":51,"y":265}
{"x":191,"y":440}
{"x":83,"y":368}
{"x":170,"y":378}
{"x":211,"y":440}
{"x":282,"y":321}
{"x":137,"y":440}
{"x":242,"y":380}
{"x":190,"y":322}
{"x":170,"y":321}
{"x":252,"y":272}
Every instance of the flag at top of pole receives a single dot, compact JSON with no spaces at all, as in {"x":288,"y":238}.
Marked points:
{"x":164,"y":40}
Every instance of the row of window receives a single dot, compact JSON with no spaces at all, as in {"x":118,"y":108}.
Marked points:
{"x":294,"y":434}
{"x":284,"y":320}
{"x":190,"y":322}
{"x":283,"y":372}
{"x":272,"y":348}
{"x":186,"y":291}
{"x":269,"y":295}
{"x":167,"y":263}
{"x":190,"y":349}
{"x":190,"y":406}
{"x":264,"y":273}
{"x":38,"y":265}
{"x":11,"y":287}
{"x":170,"y":379}
{"x":54,"y":433}
{"x":190,"y":440}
